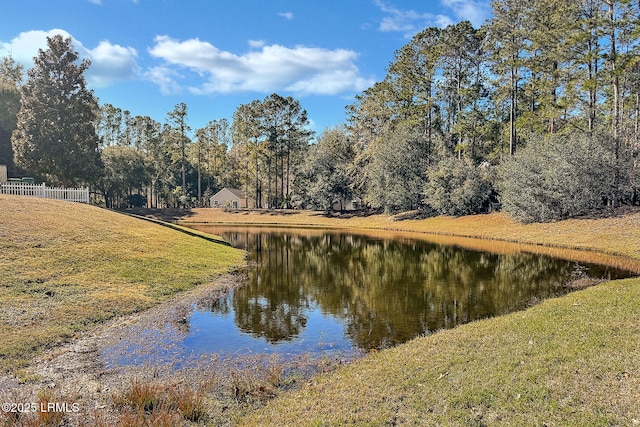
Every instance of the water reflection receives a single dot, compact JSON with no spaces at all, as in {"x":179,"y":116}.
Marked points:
{"x":382,"y":291}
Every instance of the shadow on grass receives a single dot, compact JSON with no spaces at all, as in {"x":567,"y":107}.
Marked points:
{"x":417,"y":214}
{"x":167,"y":214}
{"x":362,"y":213}
{"x":270,"y":212}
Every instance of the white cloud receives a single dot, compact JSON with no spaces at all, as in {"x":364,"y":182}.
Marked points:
{"x":109,"y":62}
{"x":474,"y":11}
{"x":287,"y":15}
{"x":112,"y":62}
{"x":257,"y":43}
{"x":165,"y":78}
{"x":331,"y":83}
{"x":25,"y":46}
{"x":303,"y":70}
{"x":408,"y":22}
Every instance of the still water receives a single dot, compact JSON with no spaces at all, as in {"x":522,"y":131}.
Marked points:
{"x":326,"y":292}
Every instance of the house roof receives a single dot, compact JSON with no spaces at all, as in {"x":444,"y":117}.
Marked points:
{"x":235,"y":191}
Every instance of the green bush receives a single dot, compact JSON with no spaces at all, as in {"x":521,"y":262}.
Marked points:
{"x":136,"y":201}
{"x":396,"y":175}
{"x":458,"y":187}
{"x":557,"y":177}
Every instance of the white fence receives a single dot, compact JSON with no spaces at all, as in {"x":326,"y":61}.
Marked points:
{"x":41,"y":190}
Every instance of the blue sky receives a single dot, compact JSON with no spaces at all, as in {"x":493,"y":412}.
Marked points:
{"x":213,"y":55}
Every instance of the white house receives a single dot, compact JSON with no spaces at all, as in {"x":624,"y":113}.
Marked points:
{"x":231,"y":198}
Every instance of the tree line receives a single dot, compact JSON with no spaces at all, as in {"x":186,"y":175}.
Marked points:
{"x":536,"y":113}
{"x":54,"y":129}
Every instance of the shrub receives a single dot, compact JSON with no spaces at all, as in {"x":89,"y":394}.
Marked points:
{"x":396,"y":174}
{"x":136,"y":201}
{"x":458,"y":187}
{"x":557,"y":177}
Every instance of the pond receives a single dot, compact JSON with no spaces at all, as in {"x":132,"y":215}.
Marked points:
{"x":330,"y":293}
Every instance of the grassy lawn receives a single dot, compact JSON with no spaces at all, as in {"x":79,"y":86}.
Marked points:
{"x":569,"y":361}
{"x":616,"y":235}
{"x":67,"y":266}
{"x":572,"y":361}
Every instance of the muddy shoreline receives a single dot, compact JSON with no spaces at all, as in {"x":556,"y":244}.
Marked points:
{"x":75,"y":372}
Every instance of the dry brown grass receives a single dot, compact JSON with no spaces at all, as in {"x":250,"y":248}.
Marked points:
{"x":149,"y":402}
{"x":617,"y":235}
{"x":568,"y":361}
{"x":67,"y":266}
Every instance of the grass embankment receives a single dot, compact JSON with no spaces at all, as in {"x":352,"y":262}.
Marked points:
{"x":618,"y":235}
{"x":66,"y":266}
{"x":573,"y":360}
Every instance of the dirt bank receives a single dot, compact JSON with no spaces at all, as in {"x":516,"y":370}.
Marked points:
{"x":76,"y":372}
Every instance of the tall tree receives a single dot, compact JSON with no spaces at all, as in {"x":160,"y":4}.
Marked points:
{"x":323,"y":179}
{"x":588,"y":60}
{"x":622,"y":30}
{"x":550,"y":63}
{"x":248,"y":147}
{"x":10,"y":80}
{"x":509,"y":30}
{"x":369,"y":117}
{"x":158,"y":158}
{"x":269,"y":136}
{"x":285,"y":125}
{"x":56,"y":136}
{"x":460,"y":85}
{"x":397,"y":172}
{"x":412,"y":78}
{"x":200,"y":148}
{"x":209,"y":152}
{"x":125,"y":171}
{"x":177,"y":121}
{"x":110,"y":125}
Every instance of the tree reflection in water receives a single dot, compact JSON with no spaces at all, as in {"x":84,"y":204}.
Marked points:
{"x":383,"y":291}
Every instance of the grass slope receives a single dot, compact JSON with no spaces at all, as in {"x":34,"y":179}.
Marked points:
{"x":67,"y":266}
{"x":574,"y":360}
{"x":616,"y":235}
{"x":571,"y":361}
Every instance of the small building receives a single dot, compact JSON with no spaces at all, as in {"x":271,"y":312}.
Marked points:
{"x":231,"y":198}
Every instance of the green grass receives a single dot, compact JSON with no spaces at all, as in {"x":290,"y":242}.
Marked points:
{"x":571,"y":361}
{"x":66,"y":266}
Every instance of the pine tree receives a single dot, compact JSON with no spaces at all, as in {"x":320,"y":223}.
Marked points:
{"x":56,"y":136}
{"x":10,"y":80}
{"x":177,"y":122}
{"x":509,"y":32}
